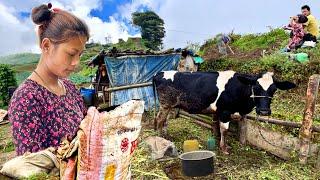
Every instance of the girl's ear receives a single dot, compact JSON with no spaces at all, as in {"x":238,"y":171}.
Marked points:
{"x":45,"y":45}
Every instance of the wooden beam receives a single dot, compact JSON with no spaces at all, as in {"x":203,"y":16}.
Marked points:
{"x":205,"y":118}
{"x":128,"y":87}
{"x":306,"y":128}
{"x":281,"y":122}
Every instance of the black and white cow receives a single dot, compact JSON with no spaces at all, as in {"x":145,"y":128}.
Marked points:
{"x":223,"y":93}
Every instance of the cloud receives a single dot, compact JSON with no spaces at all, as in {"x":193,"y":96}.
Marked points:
{"x":185,"y":21}
{"x":17,"y":34}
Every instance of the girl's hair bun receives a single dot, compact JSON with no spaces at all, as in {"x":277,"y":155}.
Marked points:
{"x":41,"y":14}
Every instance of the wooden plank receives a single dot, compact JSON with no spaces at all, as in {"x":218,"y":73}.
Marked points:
{"x":128,"y":87}
{"x":306,"y":128}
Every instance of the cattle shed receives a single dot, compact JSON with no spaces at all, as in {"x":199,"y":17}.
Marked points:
{"x":130,"y":74}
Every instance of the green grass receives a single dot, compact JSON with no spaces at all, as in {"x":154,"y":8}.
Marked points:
{"x":268,"y":40}
{"x":41,"y":176}
{"x":6,"y":139}
{"x":78,"y":78}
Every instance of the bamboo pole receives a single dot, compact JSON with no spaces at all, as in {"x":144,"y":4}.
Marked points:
{"x":230,"y":48}
{"x":201,"y":123}
{"x":306,"y":128}
{"x":194,"y":116}
{"x":128,"y":86}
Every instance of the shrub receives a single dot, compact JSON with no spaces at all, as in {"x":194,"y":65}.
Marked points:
{"x":7,"y":79}
{"x":283,"y":68}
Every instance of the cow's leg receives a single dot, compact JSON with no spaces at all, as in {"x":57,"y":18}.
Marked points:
{"x":223,"y":132}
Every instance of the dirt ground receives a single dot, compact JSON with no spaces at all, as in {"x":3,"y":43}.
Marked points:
{"x":212,"y":53}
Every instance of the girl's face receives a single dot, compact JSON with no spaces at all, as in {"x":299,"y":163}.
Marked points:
{"x":295,"y":18}
{"x":62,"y":59}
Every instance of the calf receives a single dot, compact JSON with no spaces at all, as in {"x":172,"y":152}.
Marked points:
{"x":223,"y":93}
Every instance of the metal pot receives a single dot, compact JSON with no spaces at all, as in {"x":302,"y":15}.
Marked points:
{"x":197,"y":163}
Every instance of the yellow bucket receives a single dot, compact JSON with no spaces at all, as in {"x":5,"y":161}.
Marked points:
{"x":190,"y":145}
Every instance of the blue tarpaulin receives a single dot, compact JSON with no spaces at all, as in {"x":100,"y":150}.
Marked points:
{"x":128,"y":70}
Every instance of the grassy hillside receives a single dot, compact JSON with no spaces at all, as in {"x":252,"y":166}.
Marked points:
{"x":20,"y":59}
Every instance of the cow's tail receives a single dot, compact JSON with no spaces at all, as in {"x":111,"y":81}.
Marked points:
{"x":155,"y":102}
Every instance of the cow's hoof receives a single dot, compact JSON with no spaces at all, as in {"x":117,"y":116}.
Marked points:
{"x":225,"y":150}
{"x":228,"y":147}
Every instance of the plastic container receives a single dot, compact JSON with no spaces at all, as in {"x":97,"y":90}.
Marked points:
{"x":302,"y":57}
{"x":87,"y":95}
{"x":197,"y":163}
{"x":211,"y":144}
{"x":190,"y":145}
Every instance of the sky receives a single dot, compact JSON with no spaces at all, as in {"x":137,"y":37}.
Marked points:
{"x":186,"y":21}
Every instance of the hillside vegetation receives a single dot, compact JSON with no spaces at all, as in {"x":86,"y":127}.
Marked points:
{"x":20,"y":59}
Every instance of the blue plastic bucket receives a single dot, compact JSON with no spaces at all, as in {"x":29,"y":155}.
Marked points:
{"x":87,"y":95}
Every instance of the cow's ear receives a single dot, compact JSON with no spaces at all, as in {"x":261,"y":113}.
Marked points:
{"x":247,"y":79}
{"x":285,"y":85}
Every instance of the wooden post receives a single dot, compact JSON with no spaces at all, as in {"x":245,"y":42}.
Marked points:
{"x":243,"y":131}
{"x":305,"y":130}
{"x":318,"y":159}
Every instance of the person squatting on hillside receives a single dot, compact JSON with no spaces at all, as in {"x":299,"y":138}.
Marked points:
{"x":223,"y":41}
{"x":311,"y":26}
{"x":47,"y":107}
{"x":297,"y":32}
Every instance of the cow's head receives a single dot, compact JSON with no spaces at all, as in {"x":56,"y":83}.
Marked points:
{"x":263,"y":87}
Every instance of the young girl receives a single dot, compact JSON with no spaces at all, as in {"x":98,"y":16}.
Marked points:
{"x":297,"y":32}
{"x":47,"y":107}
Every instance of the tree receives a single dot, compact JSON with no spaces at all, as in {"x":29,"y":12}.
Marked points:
{"x":151,"y":27}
